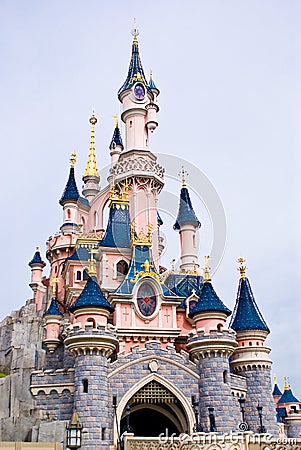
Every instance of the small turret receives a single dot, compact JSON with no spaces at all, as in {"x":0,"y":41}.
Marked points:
{"x":187,"y":223}
{"x":91,"y":176}
{"x":276,"y":392}
{"x":116,"y":145}
{"x":289,"y":408}
{"x":53,"y":318}
{"x":37,"y":265}
{"x":152,"y":108}
{"x":69,"y":199}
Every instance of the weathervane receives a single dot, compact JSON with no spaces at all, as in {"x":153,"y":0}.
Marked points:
{"x":116,"y":120}
{"x":73,"y":159}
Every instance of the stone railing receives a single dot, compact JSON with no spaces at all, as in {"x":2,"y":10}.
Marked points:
{"x":29,"y":446}
{"x":211,"y":441}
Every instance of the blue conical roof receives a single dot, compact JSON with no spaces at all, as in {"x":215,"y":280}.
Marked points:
{"x":276,"y":390}
{"x":246,"y":315}
{"x":186,"y":213}
{"x":91,"y":296}
{"x":288,"y":397}
{"x":71,"y":191}
{"x":209,"y":301}
{"x":116,"y":139}
{"x":118,"y":229}
{"x":53,"y":309}
{"x":37,"y":259}
{"x":152,"y":84}
{"x":135,"y":72}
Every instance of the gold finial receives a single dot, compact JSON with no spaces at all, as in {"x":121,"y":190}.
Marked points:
{"x":275,"y":379}
{"x":286,"y":385}
{"x":91,"y":168}
{"x":37,"y":249}
{"x":206,"y":269}
{"x":92,"y":262}
{"x":116,"y":121}
{"x":151,"y":74}
{"x":53,"y":283}
{"x":73,"y":159}
{"x":182,"y":173}
{"x":173,"y":264}
{"x":242,"y":268}
{"x":135,"y":31}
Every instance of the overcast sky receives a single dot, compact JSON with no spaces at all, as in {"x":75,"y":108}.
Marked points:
{"x":229,"y":75}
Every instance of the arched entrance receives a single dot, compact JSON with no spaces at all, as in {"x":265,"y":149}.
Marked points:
{"x":153,"y":410}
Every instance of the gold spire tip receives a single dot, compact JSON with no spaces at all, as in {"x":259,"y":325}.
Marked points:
{"x":206,"y":269}
{"x":91,"y":168}
{"x":93,"y":119}
{"x":242,"y":268}
{"x":286,"y":385}
{"x":275,"y":379}
{"x":135,"y":31}
{"x":116,"y":121}
{"x":151,"y":74}
{"x":37,"y":249}
{"x":73,"y":159}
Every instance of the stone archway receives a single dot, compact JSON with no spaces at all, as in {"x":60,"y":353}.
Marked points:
{"x":156,"y":406}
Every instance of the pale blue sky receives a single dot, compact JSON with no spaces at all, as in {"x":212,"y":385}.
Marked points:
{"x":229,"y":74}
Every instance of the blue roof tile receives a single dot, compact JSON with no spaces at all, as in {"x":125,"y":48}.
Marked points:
{"x":152,"y":84}
{"x":281,"y":414}
{"x":116,"y":139}
{"x":288,"y":397}
{"x":209,"y":301}
{"x":246,"y":315}
{"x":37,"y":259}
{"x":276,"y":390}
{"x":91,"y":296}
{"x":71,"y":191}
{"x":186,"y":213}
{"x":118,"y":229}
{"x":80,"y":254}
{"x":84,"y":201}
{"x":135,"y":72}
{"x":183,"y":285}
{"x":53,"y":309}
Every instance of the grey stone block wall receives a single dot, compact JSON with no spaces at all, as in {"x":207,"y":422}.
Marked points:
{"x":215,"y":391}
{"x":258,"y":382}
{"x":92,"y":406}
{"x":294,"y":428}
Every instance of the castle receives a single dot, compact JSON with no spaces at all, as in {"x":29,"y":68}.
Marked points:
{"x":113,"y":342}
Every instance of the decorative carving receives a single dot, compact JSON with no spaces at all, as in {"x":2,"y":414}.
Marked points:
{"x":153,"y":365}
{"x":140,"y":163}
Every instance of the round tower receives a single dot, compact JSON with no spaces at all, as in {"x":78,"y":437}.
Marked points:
{"x":116,"y":145}
{"x":91,"y":176}
{"x":91,"y":342}
{"x":212,"y":346}
{"x":187,"y":224}
{"x":37,"y":265}
{"x":251,"y":358}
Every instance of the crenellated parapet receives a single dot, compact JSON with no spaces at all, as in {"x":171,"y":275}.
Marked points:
{"x":91,"y":341}
{"x":213,"y":343}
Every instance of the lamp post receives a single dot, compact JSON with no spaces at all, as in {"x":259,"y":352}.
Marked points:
{"x":74,"y":432}
{"x":212,"y":419}
{"x":195,"y":406}
{"x":243,"y":426}
{"x":262,"y":429}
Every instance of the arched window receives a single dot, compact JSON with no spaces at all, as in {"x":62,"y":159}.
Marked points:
{"x":219,"y":327}
{"x":85,"y":275}
{"x":90,"y":322}
{"x":225,"y":376}
{"x":78,"y":275}
{"x":250,"y":344}
{"x":68,"y":214}
{"x":95,"y":219}
{"x":85,"y":385}
{"x":122,"y":268}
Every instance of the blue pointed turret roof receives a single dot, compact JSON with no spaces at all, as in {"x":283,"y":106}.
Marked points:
{"x":159,"y":220}
{"x":246,"y":315}
{"x":186,"y":212}
{"x":287,"y":397}
{"x":116,"y":139}
{"x":70,"y":191}
{"x":135,"y":72}
{"x":276,"y":391}
{"x":91,"y":296}
{"x":209,"y":301}
{"x":37,"y":259}
{"x":53,"y":309}
{"x":117,"y":233}
{"x":152,"y":84}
